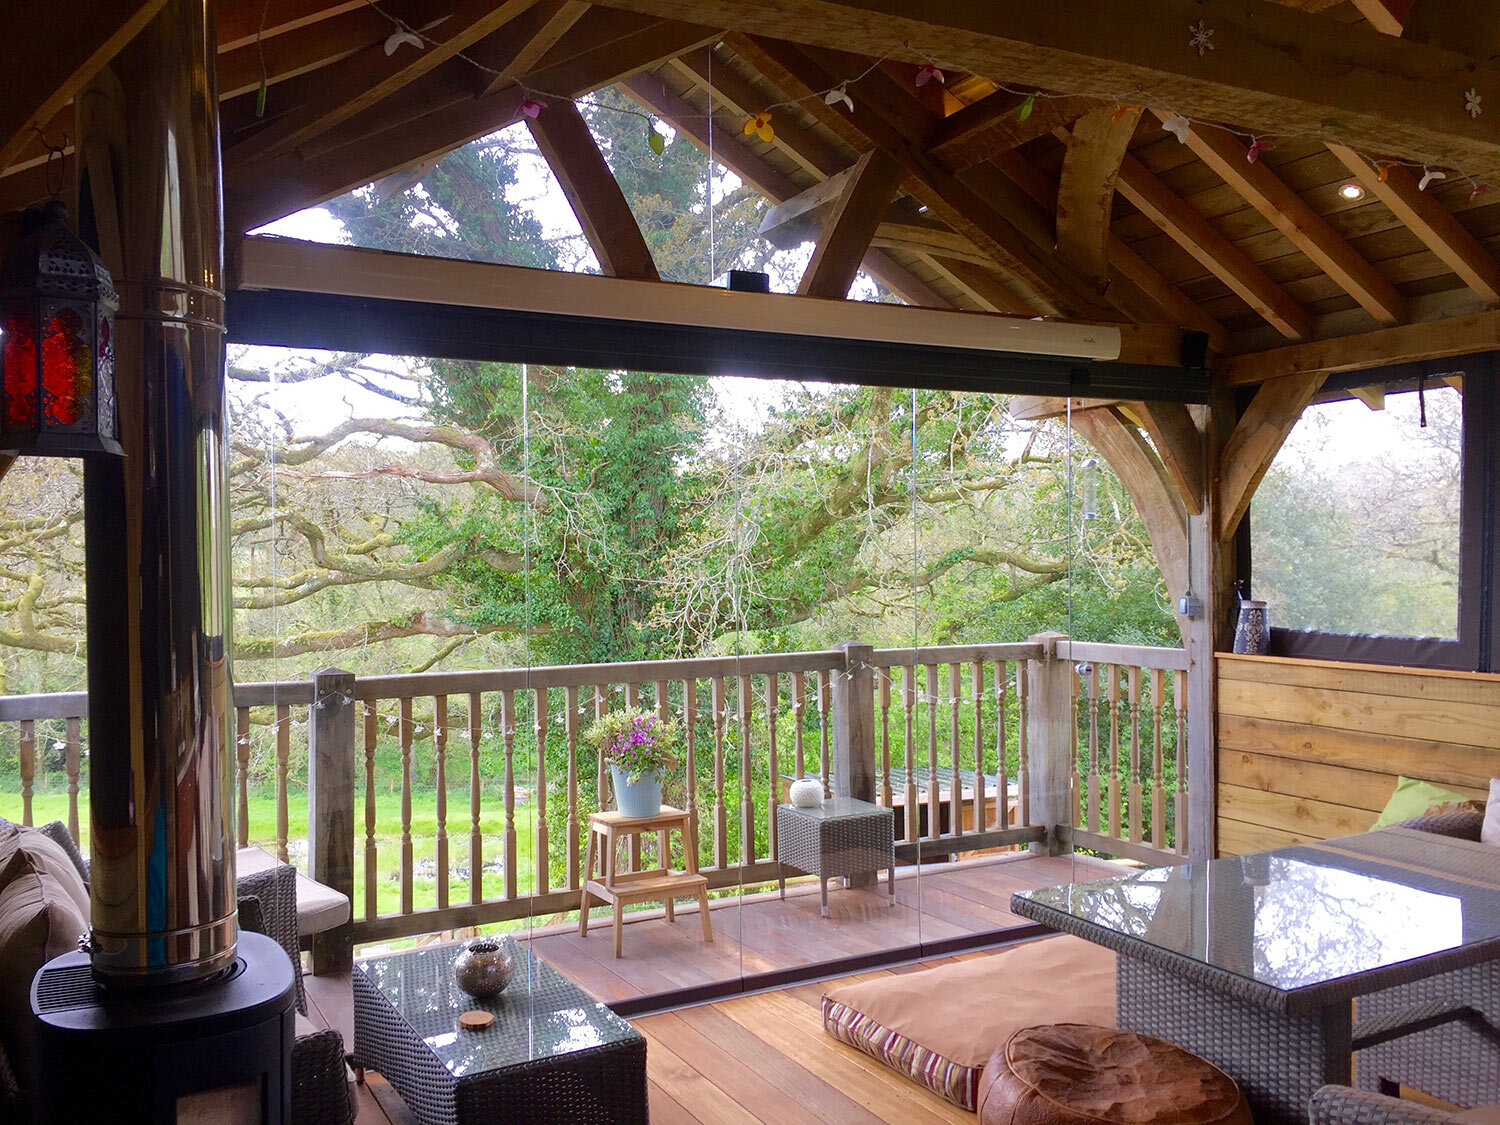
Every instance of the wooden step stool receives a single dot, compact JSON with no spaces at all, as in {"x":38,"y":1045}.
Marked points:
{"x":660,"y":884}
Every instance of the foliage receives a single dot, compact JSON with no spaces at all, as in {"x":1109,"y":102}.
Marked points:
{"x":635,"y":742}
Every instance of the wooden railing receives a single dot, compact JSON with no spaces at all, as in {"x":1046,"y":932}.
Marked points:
{"x":442,"y":800}
{"x":1129,"y":784}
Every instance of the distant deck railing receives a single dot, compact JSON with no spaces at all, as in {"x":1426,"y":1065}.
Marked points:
{"x":449,"y":799}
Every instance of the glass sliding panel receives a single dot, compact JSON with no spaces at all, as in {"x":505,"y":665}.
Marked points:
{"x":1356,"y":525}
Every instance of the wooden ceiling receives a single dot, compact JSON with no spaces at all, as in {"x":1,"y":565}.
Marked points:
{"x":1081,"y":206}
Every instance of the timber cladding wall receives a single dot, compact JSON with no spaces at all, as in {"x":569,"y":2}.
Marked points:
{"x":1310,"y":750}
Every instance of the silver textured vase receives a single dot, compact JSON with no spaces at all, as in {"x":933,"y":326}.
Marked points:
{"x":483,"y":968}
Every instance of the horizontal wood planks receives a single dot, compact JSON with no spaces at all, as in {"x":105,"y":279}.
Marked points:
{"x":1310,"y":750}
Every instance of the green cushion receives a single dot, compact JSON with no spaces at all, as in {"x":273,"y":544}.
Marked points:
{"x":1413,"y":798}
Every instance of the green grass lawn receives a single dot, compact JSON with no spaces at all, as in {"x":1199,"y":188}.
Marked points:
{"x":262,"y":805}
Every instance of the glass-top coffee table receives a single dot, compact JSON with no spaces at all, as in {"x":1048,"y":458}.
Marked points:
{"x":1253,"y":961}
{"x":553,"y":1053}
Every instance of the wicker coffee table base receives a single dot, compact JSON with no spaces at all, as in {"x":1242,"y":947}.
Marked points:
{"x":1277,"y":1058}
{"x":604,"y":1084}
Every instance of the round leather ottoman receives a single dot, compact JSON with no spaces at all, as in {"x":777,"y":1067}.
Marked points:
{"x":1076,"y":1074}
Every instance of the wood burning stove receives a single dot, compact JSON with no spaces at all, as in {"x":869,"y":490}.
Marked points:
{"x":169,"y":1014}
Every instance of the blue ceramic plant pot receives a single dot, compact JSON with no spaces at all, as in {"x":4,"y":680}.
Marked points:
{"x":636,"y":798}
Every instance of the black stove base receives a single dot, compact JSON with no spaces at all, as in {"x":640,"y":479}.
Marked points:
{"x":212,"y":1050}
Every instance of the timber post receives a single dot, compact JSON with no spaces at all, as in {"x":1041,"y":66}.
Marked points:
{"x":330,"y":808}
{"x":853,"y":715}
{"x":1049,"y":726}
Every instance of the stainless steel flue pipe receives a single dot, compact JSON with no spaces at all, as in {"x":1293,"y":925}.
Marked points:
{"x":160,"y":791}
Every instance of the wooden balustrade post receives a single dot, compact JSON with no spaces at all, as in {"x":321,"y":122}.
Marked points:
{"x":1050,"y":741}
{"x":330,"y":808}
{"x":853,"y":721}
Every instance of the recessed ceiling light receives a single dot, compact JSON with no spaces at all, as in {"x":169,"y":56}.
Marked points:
{"x":1352,"y":191}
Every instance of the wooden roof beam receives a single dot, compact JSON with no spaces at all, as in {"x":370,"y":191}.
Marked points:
{"x":1212,"y":250}
{"x":887,"y":118}
{"x":989,"y":126}
{"x":1405,"y":343}
{"x":36,"y":84}
{"x":592,"y":191}
{"x":1303,"y":227}
{"x":1429,"y":220}
{"x":1386,"y":16}
{"x":856,"y":214}
{"x":344,"y":90}
{"x":1273,"y":70}
{"x":730,"y":150}
{"x":1086,"y":190}
{"x":1167,"y":298}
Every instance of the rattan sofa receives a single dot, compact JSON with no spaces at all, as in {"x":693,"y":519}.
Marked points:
{"x":1340,"y":1105}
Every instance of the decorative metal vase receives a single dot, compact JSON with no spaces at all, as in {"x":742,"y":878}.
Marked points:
{"x":1253,"y":632}
{"x":483,"y":968}
{"x":806,"y":793}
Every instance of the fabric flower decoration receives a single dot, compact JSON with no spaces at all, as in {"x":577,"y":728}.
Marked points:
{"x":839,"y":94}
{"x":760,"y":126}
{"x":1258,"y":146}
{"x":531,"y":107}
{"x":397,"y":39}
{"x":1179,"y":127}
{"x":927,"y":73}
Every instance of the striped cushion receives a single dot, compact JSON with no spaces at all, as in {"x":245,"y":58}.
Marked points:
{"x":944,"y":1077}
{"x":940,"y":1026}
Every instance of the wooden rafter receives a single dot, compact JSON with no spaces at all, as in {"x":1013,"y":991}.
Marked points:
{"x":851,"y":224}
{"x":1256,"y":438}
{"x":950,"y":254}
{"x":1130,"y":266}
{"x":243,"y":23}
{"x":993,"y":125}
{"x":1086,"y":190}
{"x":1303,"y":227}
{"x":1470,"y":27}
{"x":564,"y":139}
{"x":885,"y":117}
{"x":728,"y":148}
{"x":543,"y":28}
{"x":1190,"y":230}
{"x":1386,"y":16}
{"x":1274,"y":70}
{"x":426,"y":119}
{"x":344,"y":90}
{"x":1429,"y":220}
{"x":36,"y":84}
{"x":244,"y":61}
{"x":1405,"y":343}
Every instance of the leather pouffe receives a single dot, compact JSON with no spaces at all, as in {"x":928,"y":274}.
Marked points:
{"x":1078,"y":1074}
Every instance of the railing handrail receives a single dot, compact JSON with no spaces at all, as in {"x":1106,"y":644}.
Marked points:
{"x":45,"y":705}
{"x":955,"y":654}
{"x":1140,"y":656}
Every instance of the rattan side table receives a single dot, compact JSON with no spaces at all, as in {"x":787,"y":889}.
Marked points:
{"x":841,"y":837}
{"x":553,"y":1054}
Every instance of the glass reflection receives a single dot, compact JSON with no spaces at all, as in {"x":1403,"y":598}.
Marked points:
{"x":1287,"y":920}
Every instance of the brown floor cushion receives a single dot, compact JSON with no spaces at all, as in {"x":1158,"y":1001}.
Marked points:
{"x":1077,"y":1074}
{"x":939,"y":1027}
{"x":24,"y":850}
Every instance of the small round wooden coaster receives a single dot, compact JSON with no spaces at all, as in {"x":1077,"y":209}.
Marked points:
{"x":476,"y":1020}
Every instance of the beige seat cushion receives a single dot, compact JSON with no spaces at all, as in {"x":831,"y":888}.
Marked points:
{"x":319,"y":907}
{"x":1480,"y":1115}
{"x":939,"y":1027}
{"x":39,"y":920}
{"x":24,"y":850}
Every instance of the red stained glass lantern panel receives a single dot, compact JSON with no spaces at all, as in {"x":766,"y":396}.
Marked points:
{"x":57,"y":306}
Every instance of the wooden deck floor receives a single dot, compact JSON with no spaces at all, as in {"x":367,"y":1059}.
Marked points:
{"x":763,"y":1056}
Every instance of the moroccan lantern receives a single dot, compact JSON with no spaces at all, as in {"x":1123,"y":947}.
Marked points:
{"x":57,"y":332}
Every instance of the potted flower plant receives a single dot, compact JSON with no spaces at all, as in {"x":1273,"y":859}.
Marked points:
{"x":639,"y":749}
